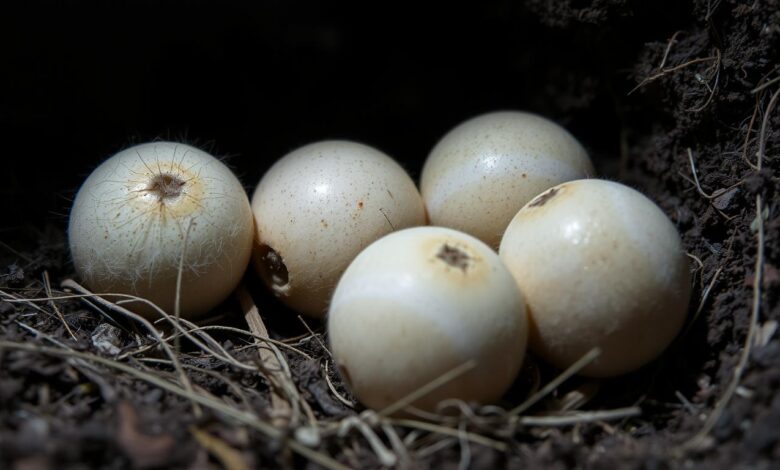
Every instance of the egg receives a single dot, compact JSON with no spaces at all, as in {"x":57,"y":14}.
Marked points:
{"x":317,"y":208}
{"x":484,"y":170}
{"x":599,"y":265}
{"x":418,"y":303}
{"x":151,"y":208}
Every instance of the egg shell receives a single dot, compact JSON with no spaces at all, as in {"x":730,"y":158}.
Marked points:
{"x":124,"y":238}
{"x":418,"y":303}
{"x":484,"y":170}
{"x":318,"y":207}
{"x":600,"y":265}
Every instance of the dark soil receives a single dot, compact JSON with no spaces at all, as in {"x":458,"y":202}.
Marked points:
{"x":649,"y":87}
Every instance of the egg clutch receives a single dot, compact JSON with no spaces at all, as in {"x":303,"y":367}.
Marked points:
{"x":509,"y":243}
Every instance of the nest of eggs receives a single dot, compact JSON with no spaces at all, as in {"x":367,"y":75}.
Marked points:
{"x":685,"y":111}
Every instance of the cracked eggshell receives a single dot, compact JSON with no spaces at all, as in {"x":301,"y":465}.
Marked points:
{"x":599,"y":264}
{"x":317,"y":208}
{"x":131,"y":217}
{"x":483,"y":171}
{"x":418,"y":303}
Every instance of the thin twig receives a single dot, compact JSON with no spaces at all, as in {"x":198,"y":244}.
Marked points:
{"x":47,"y":286}
{"x":316,"y":336}
{"x":747,"y":135}
{"x":428,"y":388}
{"x":448,"y":431}
{"x":672,"y":40}
{"x":581,"y":417}
{"x":283,"y":412}
{"x":179,"y":274}
{"x":672,"y":69}
{"x":589,"y":357}
{"x":765,"y":85}
{"x":764,"y":125}
{"x":333,"y":390}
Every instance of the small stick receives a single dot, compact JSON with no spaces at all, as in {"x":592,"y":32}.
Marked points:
{"x":764,"y":125}
{"x":272,"y":362}
{"x":747,"y":136}
{"x":335,"y":392}
{"x":765,"y":85}
{"x":316,"y":336}
{"x":589,"y":357}
{"x":583,"y":417}
{"x":179,"y":273}
{"x":672,"y":40}
{"x":428,"y":388}
{"x":447,"y":431}
{"x":47,"y":286}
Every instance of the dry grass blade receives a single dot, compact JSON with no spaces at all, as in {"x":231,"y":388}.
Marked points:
{"x":428,"y":388}
{"x":315,"y":335}
{"x":179,"y":275}
{"x":765,"y":85}
{"x":242,"y":417}
{"x":448,"y":431}
{"x":333,"y":390}
{"x":47,"y":285}
{"x":581,"y":417}
{"x":262,"y":338}
{"x":675,"y":68}
{"x":764,"y":125}
{"x":271,"y":359}
{"x":589,"y":357}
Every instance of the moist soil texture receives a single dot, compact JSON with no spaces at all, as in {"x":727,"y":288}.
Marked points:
{"x":676,"y":99}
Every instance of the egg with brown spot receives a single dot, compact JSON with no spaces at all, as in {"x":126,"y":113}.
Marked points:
{"x":600,"y":265}
{"x":151,"y":208}
{"x":484,"y":170}
{"x":418,"y":303}
{"x":317,"y":208}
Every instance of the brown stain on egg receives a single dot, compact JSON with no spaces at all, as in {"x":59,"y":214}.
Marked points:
{"x":457,"y":261}
{"x":454,"y":256}
{"x":543,"y":198}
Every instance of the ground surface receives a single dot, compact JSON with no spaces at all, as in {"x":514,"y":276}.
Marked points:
{"x":700,"y":134}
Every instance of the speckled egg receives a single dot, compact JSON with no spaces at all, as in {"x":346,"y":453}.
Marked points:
{"x":153,"y":208}
{"x":418,"y":303}
{"x":483,"y":171}
{"x":317,"y":208}
{"x":599,"y":265}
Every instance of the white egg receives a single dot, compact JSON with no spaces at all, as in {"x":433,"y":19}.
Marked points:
{"x":484,"y":170}
{"x":417,"y":304}
{"x":132,"y":215}
{"x":317,"y":208}
{"x":599,"y":265}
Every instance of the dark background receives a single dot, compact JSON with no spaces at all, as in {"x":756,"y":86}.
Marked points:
{"x":250,"y":81}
